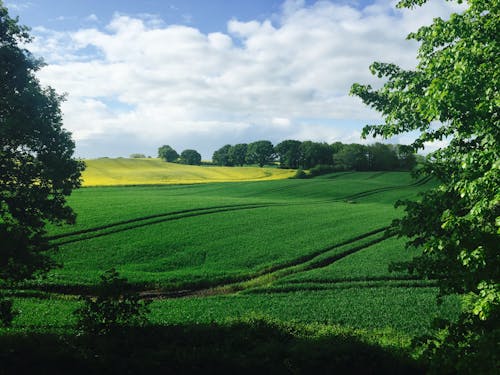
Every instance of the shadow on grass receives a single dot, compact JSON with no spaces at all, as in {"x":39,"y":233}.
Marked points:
{"x":240,"y":347}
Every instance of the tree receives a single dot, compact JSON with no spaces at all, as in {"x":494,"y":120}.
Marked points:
{"x":288,"y":153}
{"x":37,"y":170}
{"x":381,"y":157}
{"x":314,"y":153}
{"x":453,"y":94}
{"x":238,"y":153}
{"x":137,"y":156}
{"x":406,"y":157}
{"x":351,"y":156}
{"x":260,"y":152}
{"x":222,"y":156}
{"x":167,"y":153}
{"x":191,"y":157}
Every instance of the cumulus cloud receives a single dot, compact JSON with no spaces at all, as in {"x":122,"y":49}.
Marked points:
{"x":174,"y":84}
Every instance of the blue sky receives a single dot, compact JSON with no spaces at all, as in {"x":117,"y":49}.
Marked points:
{"x":204,"y":73}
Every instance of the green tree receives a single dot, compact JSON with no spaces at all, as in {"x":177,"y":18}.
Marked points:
{"x":352,"y":156}
{"x":167,"y":153}
{"x":137,"y":156}
{"x":238,"y":153}
{"x":407,"y":159}
{"x":191,"y":157}
{"x":314,"y":153}
{"x":222,"y":156}
{"x":288,"y":153}
{"x":260,"y":152}
{"x":453,"y":94}
{"x":382,"y":157}
{"x":37,"y":170}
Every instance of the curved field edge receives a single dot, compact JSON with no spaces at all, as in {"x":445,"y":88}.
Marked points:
{"x":119,"y":172}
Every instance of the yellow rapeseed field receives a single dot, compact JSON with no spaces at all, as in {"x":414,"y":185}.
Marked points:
{"x":121,"y":171}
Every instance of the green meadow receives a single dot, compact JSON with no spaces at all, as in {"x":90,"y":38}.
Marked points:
{"x":310,"y":256}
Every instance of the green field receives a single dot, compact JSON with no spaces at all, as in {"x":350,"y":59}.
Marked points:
{"x":309,"y":252}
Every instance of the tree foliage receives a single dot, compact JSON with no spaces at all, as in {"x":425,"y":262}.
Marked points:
{"x":238,"y":153}
{"x":37,"y":170}
{"x":260,"y":152}
{"x":167,"y":153}
{"x":191,"y":157}
{"x":115,"y":306}
{"x":288,"y":153}
{"x":314,"y":153}
{"x":453,"y":94}
{"x":351,"y":156}
{"x":223,"y":156}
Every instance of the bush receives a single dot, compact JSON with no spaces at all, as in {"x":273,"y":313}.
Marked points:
{"x":115,"y":306}
{"x":7,"y":313}
{"x":300,"y":174}
{"x":321,"y":169}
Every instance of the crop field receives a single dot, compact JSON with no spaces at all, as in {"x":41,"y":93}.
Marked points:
{"x":308,"y":251}
{"x":121,"y":171}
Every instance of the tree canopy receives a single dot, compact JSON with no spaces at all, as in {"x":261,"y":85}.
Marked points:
{"x":288,"y":153}
{"x":237,"y":153}
{"x":223,"y":156}
{"x":167,"y":153}
{"x":191,"y":157}
{"x":37,"y":168}
{"x":260,"y":152}
{"x":453,"y":95}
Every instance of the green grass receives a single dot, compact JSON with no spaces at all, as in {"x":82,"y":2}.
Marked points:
{"x":371,"y":263}
{"x":305,"y":252}
{"x":202,"y":235}
{"x":405,"y":312}
{"x":212,"y":247}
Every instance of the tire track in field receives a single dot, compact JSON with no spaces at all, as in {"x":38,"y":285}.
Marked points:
{"x":221,"y":287}
{"x":228,"y":286}
{"x":360,"y":194}
{"x":309,"y":257}
{"x":277,"y":271}
{"x":315,"y":287}
{"x":136,"y":223}
{"x":367,"y":193}
{"x":149,"y":217}
{"x":142,"y":218}
{"x":358,"y":279}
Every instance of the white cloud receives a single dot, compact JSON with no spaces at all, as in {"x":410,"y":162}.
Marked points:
{"x":92,"y":18}
{"x":174,"y":84}
{"x":19,"y":5}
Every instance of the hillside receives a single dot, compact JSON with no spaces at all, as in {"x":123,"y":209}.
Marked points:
{"x":286,"y":260}
{"x":121,"y":171}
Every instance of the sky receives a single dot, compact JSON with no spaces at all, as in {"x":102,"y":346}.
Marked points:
{"x":199,"y":74}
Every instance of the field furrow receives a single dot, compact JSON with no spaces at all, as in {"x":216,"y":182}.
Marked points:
{"x":146,"y":221}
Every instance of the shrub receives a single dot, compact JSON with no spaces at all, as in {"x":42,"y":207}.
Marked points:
{"x":321,"y":169}
{"x":300,"y":174}
{"x":7,"y":313}
{"x":114,"y":306}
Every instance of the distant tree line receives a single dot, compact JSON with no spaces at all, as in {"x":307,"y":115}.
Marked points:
{"x":191,"y":157}
{"x":293,"y":154}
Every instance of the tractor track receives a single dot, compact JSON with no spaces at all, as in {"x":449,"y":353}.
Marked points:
{"x":235,"y":285}
{"x":143,"y":222}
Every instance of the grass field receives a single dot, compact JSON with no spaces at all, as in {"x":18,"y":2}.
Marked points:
{"x":121,"y":171}
{"x":308,"y":252}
